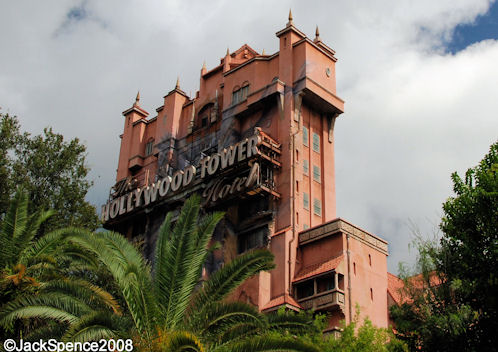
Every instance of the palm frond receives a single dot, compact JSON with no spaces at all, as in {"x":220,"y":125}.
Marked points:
{"x":13,"y":225}
{"x":216,"y":319}
{"x":49,"y":300}
{"x":160,"y":269}
{"x":176,"y":271}
{"x":94,"y":326}
{"x":237,"y":331}
{"x":225,"y":280}
{"x":34,"y":311}
{"x":194,"y":262}
{"x":182,"y":341}
{"x":24,"y":238}
{"x":175,"y":259}
{"x":129,"y":270}
{"x":46,"y":245}
{"x":215,"y":316}
{"x":290,"y":322}
{"x":268,"y":343}
{"x":91,"y":294}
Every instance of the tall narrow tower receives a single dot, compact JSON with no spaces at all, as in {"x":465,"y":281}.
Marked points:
{"x":256,"y":141}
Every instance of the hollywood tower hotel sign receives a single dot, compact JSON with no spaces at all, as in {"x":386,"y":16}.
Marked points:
{"x":256,"y":141}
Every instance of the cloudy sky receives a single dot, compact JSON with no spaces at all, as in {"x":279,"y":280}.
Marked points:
{"x":420,"y":81}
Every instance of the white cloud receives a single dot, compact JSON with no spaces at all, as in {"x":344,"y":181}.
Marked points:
{"x":413,"y":114}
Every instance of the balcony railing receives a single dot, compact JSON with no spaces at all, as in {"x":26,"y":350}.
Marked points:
{"x":323,"y":300}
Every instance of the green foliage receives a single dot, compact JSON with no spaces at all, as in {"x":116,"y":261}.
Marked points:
{"x":357,"y":336}
{"x":431,"y":314}
{"x":364,"y":338}
{"x":452,"y":304}
{"x":167,"y":311}
{"x":168,"y":308}
{"x":53,"y":172}
{"x":469,"y":247}
{"x":35,"y":289}
{"x":9,"y":138}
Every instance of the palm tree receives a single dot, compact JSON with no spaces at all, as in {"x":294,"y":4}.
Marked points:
{"x":34,"y":275}
{"x":168,"y":309}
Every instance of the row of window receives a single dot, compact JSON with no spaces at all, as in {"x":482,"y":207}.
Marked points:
{"x":317,"y":204}
{"x":315,"y":137}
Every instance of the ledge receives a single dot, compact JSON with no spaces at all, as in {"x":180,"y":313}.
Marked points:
{"x":341,"y":226}
{"x":318,"y":95}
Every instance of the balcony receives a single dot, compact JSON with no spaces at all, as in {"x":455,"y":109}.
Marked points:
{"x":323,"y":300}
{"x":321,"y":292}
{"x":136,"y":163}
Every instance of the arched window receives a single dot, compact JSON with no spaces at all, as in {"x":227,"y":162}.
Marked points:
{"x":240,"y":94}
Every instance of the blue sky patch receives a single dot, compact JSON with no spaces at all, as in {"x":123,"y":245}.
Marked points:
{"x":484,"y":27}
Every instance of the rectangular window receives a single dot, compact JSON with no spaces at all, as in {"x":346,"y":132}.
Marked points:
{"x":306,"y":166}
{"x":325,"y":283}
{"x":244,"y":92}
{"x":305,"y":289}
{"x":305,"y":136}
{"x":235,"y":97}
{"x":254,"y":239}
{"x":316,"y":142}
{"x":316,"y":173}
{"x":317,"y":207}
{"x":148,"y":148}
{"x":306,"y":201}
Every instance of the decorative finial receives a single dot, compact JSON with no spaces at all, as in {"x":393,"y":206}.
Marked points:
{"x":290,"y":23}
{"x":177,"y":83}
{"x":204,"y":65}
{"x":317,"y":35}
{"x":137,"y":99}
{"x":228,"y":51}
{"x":263,"y":53}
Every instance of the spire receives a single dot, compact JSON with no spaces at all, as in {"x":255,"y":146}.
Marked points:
{"x":317,"y":35}
{"x":136,"y":108}
{"x":290,"y":23}
{"x":177,"y":83}
{"x":203,"y":69}
{"x":137,"y":99}
{"x":226,"y":63}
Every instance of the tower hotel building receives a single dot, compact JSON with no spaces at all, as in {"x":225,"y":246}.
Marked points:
{"x":257,"y":141}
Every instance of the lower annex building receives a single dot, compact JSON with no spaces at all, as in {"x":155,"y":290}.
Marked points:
{"x":257,"y":141}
